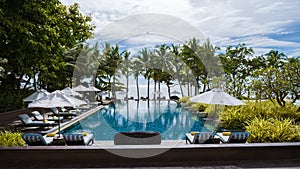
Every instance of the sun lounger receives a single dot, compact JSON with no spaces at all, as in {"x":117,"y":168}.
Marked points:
{"x":62,"y":114}
{"x":35,"y":139}
{"x":202,"y":138}
{"x":234,"y":137}
{"x":27,"y":122}
{"x":39,"y":117}
{"x":79,"y":139}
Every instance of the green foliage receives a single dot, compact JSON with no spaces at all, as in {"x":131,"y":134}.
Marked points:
{"x":12,"y":99}
{"x":11,"y":139}
{"x":266,"y":121}
{"x":198,"y":107}
{"x":273,"y":130}
{"x":237,"y":68}
{"x":235,"y":119}
{"x":277,"y":78}
{"x":184,"y":99}
{"x":34,"y":36}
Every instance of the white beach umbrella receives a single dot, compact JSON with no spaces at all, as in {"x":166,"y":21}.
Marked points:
{"x":69,"y":91}
{"x":217,"y":96}
{"x":175,"y":92}
{"x":36,"y":95}
{"x":57,"y":99}
{"x":93,"y":89}
{"x":81,"y":88}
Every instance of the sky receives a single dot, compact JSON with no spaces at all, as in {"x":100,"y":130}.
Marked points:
{"x":263,"y":25}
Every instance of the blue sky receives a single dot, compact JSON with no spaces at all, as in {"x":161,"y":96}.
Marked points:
{"x":263,"y":25}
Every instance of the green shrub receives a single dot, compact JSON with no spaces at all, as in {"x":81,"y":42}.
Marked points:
{"x":236,"y":117}
{"x":272,"y":130}
{"x":184,"y":99}
{"x":11,"y":139}
{"x":198,"y":107}
{"x":12,"y":99}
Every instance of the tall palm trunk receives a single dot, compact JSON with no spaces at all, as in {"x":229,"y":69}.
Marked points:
{"x":114,"y":88}
{"x":159,"y":90}
{"x":127,"y":85}
{"x":137,"y":88}
{"x":154,"y":94}
{"x":148,"y":89}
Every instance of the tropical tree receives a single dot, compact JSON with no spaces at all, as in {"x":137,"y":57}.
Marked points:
{"x":2,"y":61}
{"x":177,"y":64}
{"x":211,"y":65}
{"x":34,"y":38}
{"x":236,"y":63}
{"x":277,"y":79}
{"x":136,"y":71}
{"x":293,"y":76}
{"x":111,"y":64}
{"x":35,"y":35}
{"x":192,"y":59}
{"x":125,"y":69}
{"x":146,"y":59}
{"x":84,"y":62}
{"x":161,"y":54}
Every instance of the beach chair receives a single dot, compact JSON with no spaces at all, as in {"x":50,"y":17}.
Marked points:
{"x":39,"y":117}
{"x":36,"y":139}
{"x":62,"y":114}
{"x":202,"y":138}
{"x":79,"y":139}
{"x":27,"y":122}
{"x":235,"y":137}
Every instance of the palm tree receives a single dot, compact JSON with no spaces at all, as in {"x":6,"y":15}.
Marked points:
{"x":191,"y":58}
{"x":145,"y":58}
{"x":176,"y":62}
{"x":210,"y":67}
{"x":136,"y":71}
{"x":86,"y":65}
{"x":161,"y":53}
{"x":275,"y":59}
{"x":125,"y":69}
{"x":112,"y":60}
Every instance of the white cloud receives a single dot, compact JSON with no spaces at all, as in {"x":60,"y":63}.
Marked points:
{"x":250,"y":21}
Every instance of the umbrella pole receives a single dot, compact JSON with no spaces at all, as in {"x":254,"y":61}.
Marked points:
{"x":215,"y":118}
{"x":58,"y":116}
{"x":44,"y":119}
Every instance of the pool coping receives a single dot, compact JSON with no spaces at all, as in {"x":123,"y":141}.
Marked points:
{"x":74,"y":120}
{"x":172,"y":153}
{"x":188,"y":155}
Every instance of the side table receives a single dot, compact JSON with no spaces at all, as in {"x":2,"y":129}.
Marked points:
{"x":58,"y":141}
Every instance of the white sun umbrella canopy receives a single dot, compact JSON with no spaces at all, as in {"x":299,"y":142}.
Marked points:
{"x":81,"y":88}
{"x":69,"y":91}
{"x":175,"y":92}
{"x":36,"y":95}
{"x":93,"y":89}
{"x":57,"y":99}
{"x":217,"y":96}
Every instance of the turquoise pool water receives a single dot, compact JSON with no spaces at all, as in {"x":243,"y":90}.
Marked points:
{"x":160,"y":116}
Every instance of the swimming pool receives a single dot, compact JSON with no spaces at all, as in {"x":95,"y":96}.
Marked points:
{"x":165,"y":117}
